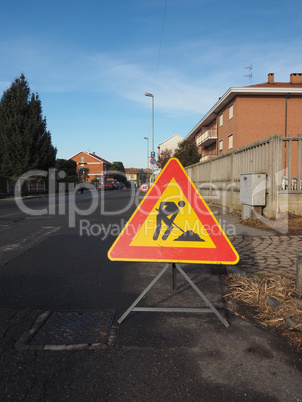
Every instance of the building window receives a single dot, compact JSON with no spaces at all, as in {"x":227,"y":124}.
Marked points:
{"x":221,"y":120}
{"x":230,"y":141}
{"x":231,"y":112}
{"x":220,"y":145}
{"x":82,"y":159}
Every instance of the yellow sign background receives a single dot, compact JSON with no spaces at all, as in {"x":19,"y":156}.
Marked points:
{"x":186,"y":219}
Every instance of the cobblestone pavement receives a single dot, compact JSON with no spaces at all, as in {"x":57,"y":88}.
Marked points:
{"x":271,"y":255}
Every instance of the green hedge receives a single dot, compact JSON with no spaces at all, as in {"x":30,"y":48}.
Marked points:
{"x":3,"y":184}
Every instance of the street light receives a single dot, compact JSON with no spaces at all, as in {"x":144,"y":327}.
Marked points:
{"x":152,"y":96}
{"x":145,"y":138}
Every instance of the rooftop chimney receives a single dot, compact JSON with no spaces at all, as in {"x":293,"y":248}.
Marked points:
{"x":271,"y":78}
{"x":296,"y":78}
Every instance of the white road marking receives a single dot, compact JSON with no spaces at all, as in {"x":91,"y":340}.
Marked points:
{"x":13,"y":250}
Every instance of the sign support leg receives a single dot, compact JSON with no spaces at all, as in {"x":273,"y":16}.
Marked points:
{"x":173,"y":276}
{"x":120,"y":320}
{"x":210,"y":309}
{"x":199,"y":292}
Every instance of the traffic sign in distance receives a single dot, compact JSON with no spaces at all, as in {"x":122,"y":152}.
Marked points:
{"x":173,"y":224}
{"x":144,"y":187}
{"x":152,"y":154}
{"x":153,"y":161}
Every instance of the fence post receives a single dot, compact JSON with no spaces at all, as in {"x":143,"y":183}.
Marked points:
{"x":211,"y":190}
{"x":275,"y":173}
{"x":299,"y":272}
{"x":299,"y":187}
{"x":289,"y":162}
{"x":232,"y":181}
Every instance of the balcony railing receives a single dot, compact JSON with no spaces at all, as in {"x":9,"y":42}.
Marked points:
{"x":207,"y":138}
{"x":209,"y":155}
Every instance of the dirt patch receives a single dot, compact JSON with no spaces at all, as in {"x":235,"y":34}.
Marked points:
{"x":272,"y":301}
{"x":291,"y":223}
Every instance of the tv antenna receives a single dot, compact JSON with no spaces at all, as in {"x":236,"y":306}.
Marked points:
{"x":250,"y":75}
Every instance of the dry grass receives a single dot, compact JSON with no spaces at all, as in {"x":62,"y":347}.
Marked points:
{"x":278,"y":303}
{"x":290,"y":222}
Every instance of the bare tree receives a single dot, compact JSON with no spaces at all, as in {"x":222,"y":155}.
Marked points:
{"x":163,"y":158}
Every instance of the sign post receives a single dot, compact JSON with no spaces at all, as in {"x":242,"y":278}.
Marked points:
{"x":173,"y":224}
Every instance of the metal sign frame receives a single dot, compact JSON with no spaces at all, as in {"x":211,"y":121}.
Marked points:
{"x":209,"y":309}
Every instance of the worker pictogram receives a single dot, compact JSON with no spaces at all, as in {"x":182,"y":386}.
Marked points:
{"x":173,"y":224}
{"x":167,"y":212}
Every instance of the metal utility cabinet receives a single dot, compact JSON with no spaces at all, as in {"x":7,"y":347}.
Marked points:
{"x":252,"y":192}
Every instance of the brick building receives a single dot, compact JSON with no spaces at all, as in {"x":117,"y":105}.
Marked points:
{"x":98,"y":167}
{"x":132,"y":175}
{"x":246,"y":114}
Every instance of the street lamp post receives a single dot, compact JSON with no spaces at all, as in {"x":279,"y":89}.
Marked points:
{"x":145,"y":138}
{"x":152,"y":96}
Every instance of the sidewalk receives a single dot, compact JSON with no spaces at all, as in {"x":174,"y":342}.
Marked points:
{"x":271,"y":255}
{"x":262,"y":250}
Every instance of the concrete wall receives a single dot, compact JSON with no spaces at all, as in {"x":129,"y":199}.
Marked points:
{"x":218,"y":179}
{"x":290,"y":201}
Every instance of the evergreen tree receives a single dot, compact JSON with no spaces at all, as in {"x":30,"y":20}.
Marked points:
{"x":25,"y":143}
{"x":118,"y":171}
{"x":69,"y":167}
{"x":187,"y":153}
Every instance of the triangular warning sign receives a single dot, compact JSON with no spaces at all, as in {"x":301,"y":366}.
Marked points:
{"x":173,"y":224}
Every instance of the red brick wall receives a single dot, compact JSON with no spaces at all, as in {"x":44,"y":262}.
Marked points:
{"x":256,"y":117}
{"x":294,"y":116}
{"x":229,"y":127}
{"x":95,"y":167}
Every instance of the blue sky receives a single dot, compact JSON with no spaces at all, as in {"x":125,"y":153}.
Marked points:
{"x":91,"y":62}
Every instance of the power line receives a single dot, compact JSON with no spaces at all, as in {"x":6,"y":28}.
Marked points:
{"x":160,"y":44}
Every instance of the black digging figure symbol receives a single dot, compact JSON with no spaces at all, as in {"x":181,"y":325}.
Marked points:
{"x":167,"y":213}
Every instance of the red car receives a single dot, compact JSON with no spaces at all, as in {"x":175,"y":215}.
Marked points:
{"x":107,"y":185}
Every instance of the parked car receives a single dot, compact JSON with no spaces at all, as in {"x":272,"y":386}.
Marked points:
{"x":107,"y":185}
{"x":120,"y":185}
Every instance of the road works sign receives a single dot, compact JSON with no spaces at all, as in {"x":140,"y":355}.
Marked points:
{"x":173,"y":224}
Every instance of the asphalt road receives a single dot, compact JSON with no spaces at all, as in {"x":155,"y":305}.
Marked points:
{"x":58,"y":262}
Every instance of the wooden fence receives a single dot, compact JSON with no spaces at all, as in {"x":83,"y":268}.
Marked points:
{"x":218,"y":178}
